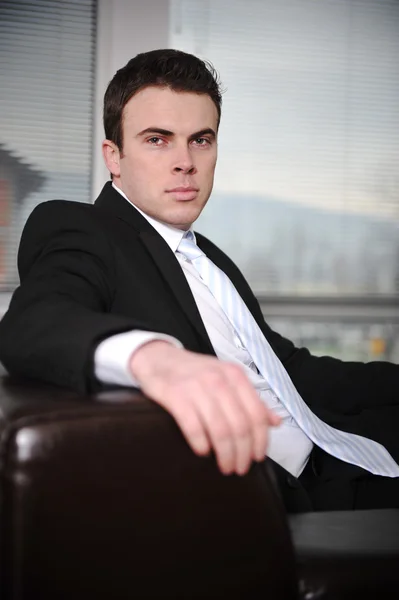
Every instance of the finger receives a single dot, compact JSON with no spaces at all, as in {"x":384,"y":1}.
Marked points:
{"x":188,"y":420}
{"x":239,"y":425}
{"x":217,"y":427}
{"x":274,"y":418}
{"x":256,"y":412}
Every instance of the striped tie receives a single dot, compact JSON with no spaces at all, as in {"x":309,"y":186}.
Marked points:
{"x":349,"y":447}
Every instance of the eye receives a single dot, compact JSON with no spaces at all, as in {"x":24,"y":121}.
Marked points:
{"x":154,"y":140}
{"x":201,"y":141}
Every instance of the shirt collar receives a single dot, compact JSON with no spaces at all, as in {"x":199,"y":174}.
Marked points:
{"x":171,"y":235}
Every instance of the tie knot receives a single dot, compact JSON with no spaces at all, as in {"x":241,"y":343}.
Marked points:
{"x":188,"y":247}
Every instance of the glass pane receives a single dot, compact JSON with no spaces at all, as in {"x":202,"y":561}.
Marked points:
{"x":342,"y":339}
{"x":46,"y":98}
{"x":306,"y":197}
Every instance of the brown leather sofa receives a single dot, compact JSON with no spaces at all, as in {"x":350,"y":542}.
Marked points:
{"x":102,"y":498}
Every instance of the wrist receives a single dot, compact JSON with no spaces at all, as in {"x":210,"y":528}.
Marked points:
{"x":144,"y":358}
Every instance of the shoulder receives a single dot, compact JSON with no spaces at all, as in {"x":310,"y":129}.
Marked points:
{"x":54,"y":211}
{"x":222,"y":260}
{"x":211,"y":249}
{"x":56,"y":216}
{"x":62,"y":225}
{"x":228,"y":266}
{"x":284,"y":348}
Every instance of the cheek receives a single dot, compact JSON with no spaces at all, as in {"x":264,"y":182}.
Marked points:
{"x":207,"y":163}
{"x":144,"y":172}
{"x":152,"y":167}
{"x":210,"y":171}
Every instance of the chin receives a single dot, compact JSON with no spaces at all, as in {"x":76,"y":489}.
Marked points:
{"x":185,"y":218}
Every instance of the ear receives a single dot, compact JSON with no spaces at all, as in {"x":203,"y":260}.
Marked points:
{"x":111,"y":156}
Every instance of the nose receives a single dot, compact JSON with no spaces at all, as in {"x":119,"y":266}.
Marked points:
{"x":184,"y":162}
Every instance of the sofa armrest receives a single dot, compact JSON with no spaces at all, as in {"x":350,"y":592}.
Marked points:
{"x":101,"y":497}
{"x":347,"y":555}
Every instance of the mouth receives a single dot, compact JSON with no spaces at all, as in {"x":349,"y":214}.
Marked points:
{"x":184,"y":193}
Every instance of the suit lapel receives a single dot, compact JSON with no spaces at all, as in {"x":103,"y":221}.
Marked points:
{"x":111,"y":201}
{"x":171,"y":271}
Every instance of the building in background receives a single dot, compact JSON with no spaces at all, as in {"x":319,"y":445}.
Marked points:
{"x":18,"y":179}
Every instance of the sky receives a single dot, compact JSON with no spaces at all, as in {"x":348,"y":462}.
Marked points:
{"x":311,"y":111}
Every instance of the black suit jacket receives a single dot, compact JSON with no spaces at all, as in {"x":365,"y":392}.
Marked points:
{"x":90,"y":271}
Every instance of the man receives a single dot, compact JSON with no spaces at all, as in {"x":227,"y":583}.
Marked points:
{"x":118,"y":293}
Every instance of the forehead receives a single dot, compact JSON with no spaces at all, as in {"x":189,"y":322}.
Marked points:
{"x":167,"y":109}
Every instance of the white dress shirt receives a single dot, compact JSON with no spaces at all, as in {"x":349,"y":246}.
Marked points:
{"x":288,"y":445}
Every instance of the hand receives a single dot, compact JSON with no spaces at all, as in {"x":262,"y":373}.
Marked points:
{"x":213,"y":402}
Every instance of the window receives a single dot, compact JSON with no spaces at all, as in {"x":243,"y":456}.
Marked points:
{"x":46,"y":96}
{"x":306,"y":198}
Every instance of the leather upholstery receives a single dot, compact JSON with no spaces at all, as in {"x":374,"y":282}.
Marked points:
{"x":105,"y":500}
{"x":101,"y":498}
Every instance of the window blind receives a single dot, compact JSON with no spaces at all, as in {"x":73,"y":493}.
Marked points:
{"x":306,"y":196}
{"x":47,"y":51}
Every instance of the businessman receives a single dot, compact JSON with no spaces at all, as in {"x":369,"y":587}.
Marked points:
{"x":124,"y":293}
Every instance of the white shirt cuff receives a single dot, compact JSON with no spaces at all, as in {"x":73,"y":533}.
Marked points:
{"x":112,"y":356}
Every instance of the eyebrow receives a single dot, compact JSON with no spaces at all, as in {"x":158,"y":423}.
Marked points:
{"x":167,"y":133}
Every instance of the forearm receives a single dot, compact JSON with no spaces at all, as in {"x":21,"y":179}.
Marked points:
{"x":114,"y":356}
{"x":54,"y":340}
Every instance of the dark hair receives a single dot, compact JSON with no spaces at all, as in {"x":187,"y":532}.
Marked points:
{"x":175,"y":69}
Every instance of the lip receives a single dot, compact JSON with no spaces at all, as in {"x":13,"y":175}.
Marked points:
{"x":183,"y":188}
{"x":184,"y":193}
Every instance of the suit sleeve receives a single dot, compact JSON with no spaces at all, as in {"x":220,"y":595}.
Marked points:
{"x":60,"y":311}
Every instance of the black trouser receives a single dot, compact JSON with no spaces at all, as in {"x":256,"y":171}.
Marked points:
{"x":328,"y":483}
{"x":335,"y":485}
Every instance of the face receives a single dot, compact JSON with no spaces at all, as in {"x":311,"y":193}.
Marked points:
{"x":169,"y":154}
